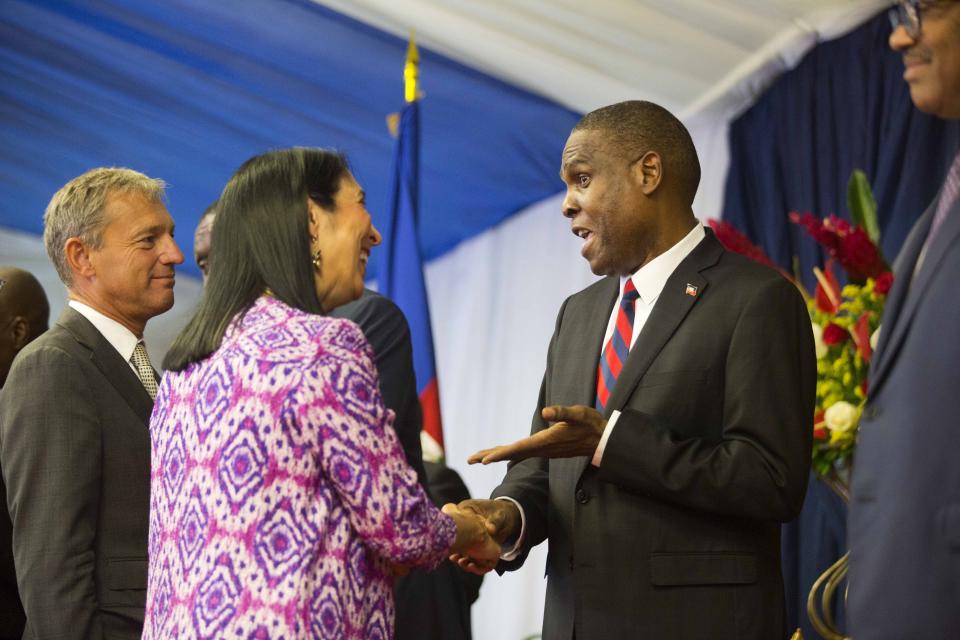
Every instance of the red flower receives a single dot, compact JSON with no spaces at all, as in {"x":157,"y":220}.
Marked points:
{"x":816,"y":228}
{"x":859,"y":256}
{"x":819,"y":427}
{"x":883,"y":283}
{"x":861,"y":335}
{"x":848,"y":245}
{"x":734,"y":240}
{"x":827,"y":293}
{"x":834,"y":334}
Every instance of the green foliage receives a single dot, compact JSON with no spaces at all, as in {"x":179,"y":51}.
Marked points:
{"x":863,"y":206}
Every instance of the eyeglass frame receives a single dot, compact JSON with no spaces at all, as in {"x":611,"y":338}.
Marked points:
{"x":909,"y":15}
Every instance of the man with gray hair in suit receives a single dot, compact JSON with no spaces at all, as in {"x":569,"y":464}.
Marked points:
{"x":74,"y":445}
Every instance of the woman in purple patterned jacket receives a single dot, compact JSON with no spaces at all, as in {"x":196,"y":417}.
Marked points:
{"x":280,"y":498}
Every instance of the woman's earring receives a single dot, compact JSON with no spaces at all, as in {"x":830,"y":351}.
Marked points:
{"x":315,"y":259}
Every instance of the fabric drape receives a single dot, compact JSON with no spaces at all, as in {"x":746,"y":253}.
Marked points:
{"x":844,"y":107}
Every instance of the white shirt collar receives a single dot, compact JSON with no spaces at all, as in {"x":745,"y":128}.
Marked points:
{"x":121,"y":338}
{"x":651,"y":278}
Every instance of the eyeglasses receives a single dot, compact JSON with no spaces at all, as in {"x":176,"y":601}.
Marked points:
{"x":908,"y":14}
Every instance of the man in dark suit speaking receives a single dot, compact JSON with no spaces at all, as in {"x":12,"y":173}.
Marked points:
{"x":74,"y":445}
{"x":673,"y":430}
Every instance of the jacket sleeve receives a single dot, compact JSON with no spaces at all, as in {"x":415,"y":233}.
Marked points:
{"x":388,"y":333}
{"x":759,"y":467}
{"x":361,"y":457}
{"x":50,"y":454}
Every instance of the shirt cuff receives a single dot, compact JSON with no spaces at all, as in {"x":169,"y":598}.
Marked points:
{"x":511,"y":552}
{"x":598,"y":454}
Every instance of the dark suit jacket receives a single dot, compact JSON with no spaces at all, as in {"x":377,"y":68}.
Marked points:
{"x":676,"y":534}
{"x":11,"y":610}
{"x":75,"y":455}
{"x":904,"y":517}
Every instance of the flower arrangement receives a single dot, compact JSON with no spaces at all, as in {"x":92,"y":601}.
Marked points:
{"x":845,"y":319}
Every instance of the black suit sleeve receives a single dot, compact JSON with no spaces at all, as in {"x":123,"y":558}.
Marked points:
{"x":388,"y":333}
{"x":50,"y":454}
{"x":759,"y":466}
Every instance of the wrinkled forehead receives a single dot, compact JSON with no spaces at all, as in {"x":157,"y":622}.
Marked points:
{"x":590,"y":146}
{"x":131,"y":210}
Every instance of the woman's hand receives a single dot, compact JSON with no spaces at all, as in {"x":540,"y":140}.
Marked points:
{"x":474,"y":540}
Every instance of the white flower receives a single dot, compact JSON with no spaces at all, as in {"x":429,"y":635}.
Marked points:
{"x":874,"y":339}
{"x":431,"y":450}
{"x":819,"y":346}
{"x":841,"y":416}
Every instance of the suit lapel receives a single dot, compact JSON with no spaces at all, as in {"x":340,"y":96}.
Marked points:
{"x":908,"y":298}
{"x":109,"y":362}
{"x":668,"y":313}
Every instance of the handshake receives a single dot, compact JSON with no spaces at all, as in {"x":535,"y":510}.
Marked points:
{"x":483,"y":527}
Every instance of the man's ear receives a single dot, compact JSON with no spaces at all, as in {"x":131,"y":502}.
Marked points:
{"x":21,"y":333}
{"x":649,"y":171}
{"x":78,"y":257}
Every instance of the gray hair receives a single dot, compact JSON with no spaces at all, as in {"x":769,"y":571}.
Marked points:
{"x":76,"y":210}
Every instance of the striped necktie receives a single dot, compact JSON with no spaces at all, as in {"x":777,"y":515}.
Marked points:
{"x":141,"y":362}
{"x":615,"y":352}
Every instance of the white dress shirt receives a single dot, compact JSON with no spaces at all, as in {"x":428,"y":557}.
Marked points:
{"x":119,"y":337}
{"x":649,"y":280}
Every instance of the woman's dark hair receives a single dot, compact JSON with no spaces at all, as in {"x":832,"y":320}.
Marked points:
{"x":260,"y":240}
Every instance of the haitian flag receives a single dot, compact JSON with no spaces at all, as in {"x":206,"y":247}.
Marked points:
{"x":400,"y":274}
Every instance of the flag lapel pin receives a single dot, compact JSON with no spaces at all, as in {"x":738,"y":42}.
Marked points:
{"x":691,"y":290}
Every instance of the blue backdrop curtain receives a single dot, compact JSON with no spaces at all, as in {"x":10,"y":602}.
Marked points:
{"x":844,"y":107}
{"x":186,"y":91}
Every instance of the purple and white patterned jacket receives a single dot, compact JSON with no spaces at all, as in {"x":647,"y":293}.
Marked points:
{"x":279,"y":491}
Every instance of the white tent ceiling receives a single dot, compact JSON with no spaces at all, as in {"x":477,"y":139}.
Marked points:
{"x":704,"y":60}
{"x":691,"y":56}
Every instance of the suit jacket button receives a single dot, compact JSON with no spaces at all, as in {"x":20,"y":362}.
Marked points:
{"x":570,"y":562}
{"x":582,"y":496}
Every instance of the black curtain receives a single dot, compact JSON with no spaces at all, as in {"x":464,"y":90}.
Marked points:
{"x":844,"y":107}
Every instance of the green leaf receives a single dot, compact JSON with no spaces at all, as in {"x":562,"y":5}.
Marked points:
{"x":863,"y":207}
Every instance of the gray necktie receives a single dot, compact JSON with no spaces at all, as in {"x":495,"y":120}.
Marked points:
{"x":948,"y":196}
{"x":951,"y":189}
{"x":141,"y":362}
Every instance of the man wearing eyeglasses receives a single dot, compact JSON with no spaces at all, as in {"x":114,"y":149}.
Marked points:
{"x":904,"y":527}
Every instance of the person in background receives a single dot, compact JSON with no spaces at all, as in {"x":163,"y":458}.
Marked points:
{"x":673,"y":429}
{"x":24,"y":312}
{"x":201,"y":239}
{"x":904,"y":516}
{"x":281,"y":500}
{"x":74,"y":446}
